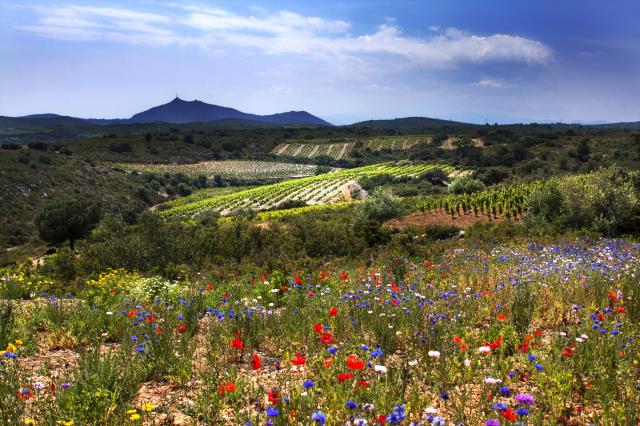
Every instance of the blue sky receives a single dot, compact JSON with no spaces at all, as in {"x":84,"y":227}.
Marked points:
{"x":469,"y":60}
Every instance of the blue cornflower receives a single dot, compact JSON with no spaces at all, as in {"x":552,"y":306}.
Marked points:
{"x":444,"y":395}
{"x":272,"y":412}
{"x":539,"y":367}
{"x":307,"y":384}
{"x":499,"y":407}
{"x":376,"y":353}
{"x":505,"y":391}
{"x":532,"y":357}
{"x":522,"y":411}
{"x":351,"y":404}
{"x":332,"y":350}
{"x":319,"y":417}
{"x":615,"y":332}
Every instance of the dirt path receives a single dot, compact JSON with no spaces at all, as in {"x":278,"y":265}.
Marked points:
{"x":440,"y":218}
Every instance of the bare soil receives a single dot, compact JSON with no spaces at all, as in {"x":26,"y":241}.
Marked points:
{"x":419,"y":219}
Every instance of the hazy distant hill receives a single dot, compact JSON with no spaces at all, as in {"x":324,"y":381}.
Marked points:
{"x":417,"y":125}
{"x":177,"y":111}
{"x":180,"y":111}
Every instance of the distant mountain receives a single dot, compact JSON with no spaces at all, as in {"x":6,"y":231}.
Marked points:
{"x":180,"y":111}
{"x":177,"y":111}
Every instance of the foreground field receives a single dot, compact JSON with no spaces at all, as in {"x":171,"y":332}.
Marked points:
{"x":525,"y":333}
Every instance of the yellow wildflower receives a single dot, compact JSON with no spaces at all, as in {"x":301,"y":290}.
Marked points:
{"x":135,"y":416}
{"x":65,"y":422}
{"x":11,"y":348}
{"x":147,"y":407}
{"x":18,"y":342}
{"x":29,"y":421}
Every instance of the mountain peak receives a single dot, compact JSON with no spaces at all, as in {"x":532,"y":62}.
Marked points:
{"x":180,"y":111}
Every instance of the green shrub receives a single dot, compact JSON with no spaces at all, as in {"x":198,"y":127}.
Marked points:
{"x":606,"y":202}
{"x":465,"y":185}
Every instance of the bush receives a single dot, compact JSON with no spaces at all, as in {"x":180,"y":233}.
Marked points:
{"x":606,"y":202}
{"x":376,"y":209}
{"x":465,"y":185}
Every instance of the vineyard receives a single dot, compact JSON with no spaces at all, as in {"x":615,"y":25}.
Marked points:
{"x":239,"y":169}
{"x":336,"y":151}
{"x":202,"y":194}
{"x":321,"y":189}
{"x":505,"y":202}
{"x":340,"y":150}
{"x":395,"y":142}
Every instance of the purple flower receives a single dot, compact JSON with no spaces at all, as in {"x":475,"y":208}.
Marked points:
{"x":524,"y":399}
{"x":492,"y":422}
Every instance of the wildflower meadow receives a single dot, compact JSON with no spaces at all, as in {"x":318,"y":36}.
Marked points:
{"x":537,"y":333}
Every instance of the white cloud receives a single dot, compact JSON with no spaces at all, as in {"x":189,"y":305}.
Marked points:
{"x":282,"y":33}
{"x":488,"y":83}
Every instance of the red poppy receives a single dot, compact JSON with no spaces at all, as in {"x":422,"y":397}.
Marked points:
{"x":256,"y":362}
{"x":332,"y":312}
{"x":354,"y":363}
{"x":501,"y":317}
{"x":495,"y":344}
{"x":382,"y":419}
{"x":323,"y":275}
{"x":459,"y":341}
{"x":181,"y":328}
{"x":298,"y":280}
{"x":326,"y":338}
{"x":613,"y":295}
{"x":114,"y":291}
{"x":151,"y":318}
{"x":298,"y":360}
{"x":600,"y":316}
{"x":621,"y":310}
{"x":317,"y":328}
{"x":237,"y":343}
{"x":568,"y":351}
{"x":344,"y":275}
{"x":227,"y":387}
{"x":132,"y":313}
{"x":328,"y":362}
{"x":509,"y":414}
{"x":273,"y":396}
{"x":522,"y":347}
{"x":344,"y":376}
{"x":363,"y":384}
{"x":394,"y":287}
{"x":209,"y":286}
{"x":425,"y":262}
{"x":159,"y":330}
{"x":538,"y":333}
